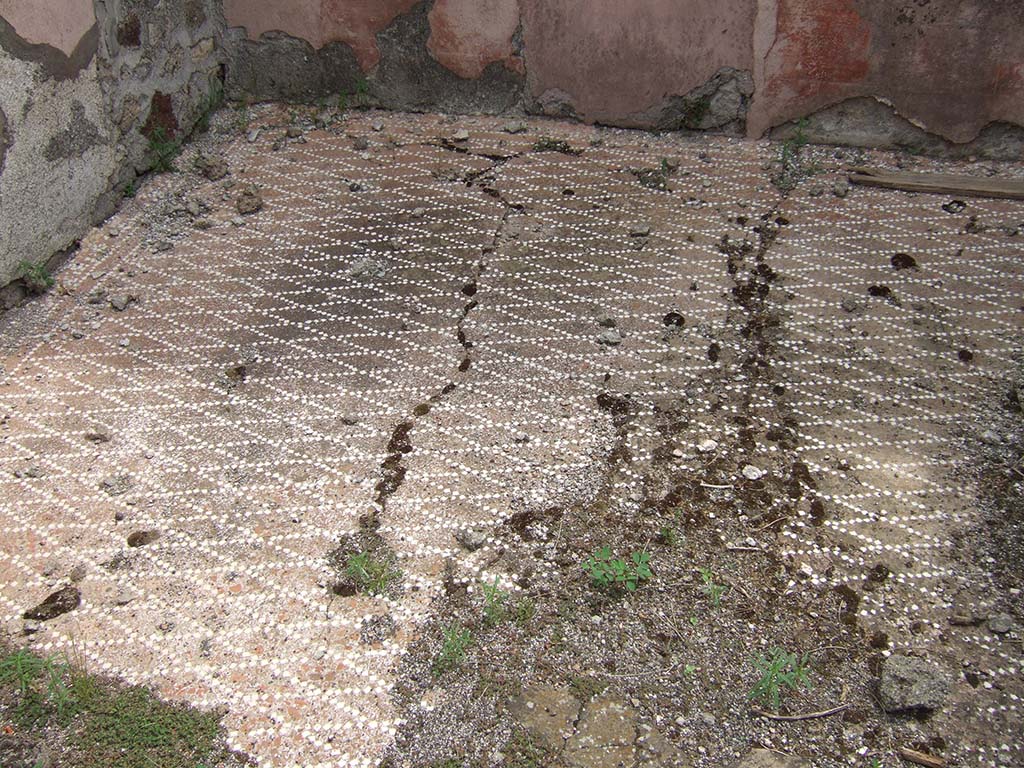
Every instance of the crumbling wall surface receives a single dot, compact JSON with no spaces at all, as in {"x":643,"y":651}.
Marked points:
{"x":948,"y":67}
{"x":455,"y":55}
{"x":643,"y":64}
{"x":83,"y":84}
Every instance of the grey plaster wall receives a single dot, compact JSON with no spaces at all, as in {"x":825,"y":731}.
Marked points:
{"x":75,"y":116}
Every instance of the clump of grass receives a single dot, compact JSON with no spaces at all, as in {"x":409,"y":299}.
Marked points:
{"x":457,"y":639}
{"x":36,"y":276}
{"x":163,"y":149}
{"x":608,"y":571}
{"x":495,"y":603}
{"x":780,"y":670}
{"x":791,"y":168}
{"x":101,"y":724}
{"x":371,"y":573}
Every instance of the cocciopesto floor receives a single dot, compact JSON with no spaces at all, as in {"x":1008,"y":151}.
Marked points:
{"x":250,"y":391}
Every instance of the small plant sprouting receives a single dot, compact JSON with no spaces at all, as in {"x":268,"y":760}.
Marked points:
{"x":608,"y":571}
{"x":668,"y":536}
{"x":453,"y":649}
{"x":524,"y":611}
{"x":689,"y":670}
{"x":163,"y":149}
{"x":711,"y":589}
{"x":495,"y":600}
{"x":129,"y":190}
{"x":779,"y":670}
{"x":36,"y":276}
{"x":369,"y":573}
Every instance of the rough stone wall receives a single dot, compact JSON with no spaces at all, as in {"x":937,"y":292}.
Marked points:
{"x":82,"y":84}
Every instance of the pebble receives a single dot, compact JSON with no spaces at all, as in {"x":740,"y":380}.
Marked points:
{"x":377,"y":125}
{"x":841,"y":188}
{"x":460,"y":136}
{"x":1001,"y":623}
{"x":253,"y":135}
{"x":752,"y":473}
{"x":360,"y":144}
{"x":514,"y":127}
{"x":707,"y":446}
{"x":610,"y":337}
{"x":293,"y":132}
{"x":123,"y":343}
{"x":120,"y":301}
{"x":640,"y":230}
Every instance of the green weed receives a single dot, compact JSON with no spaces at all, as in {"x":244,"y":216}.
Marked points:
{"x":453,"y":649}
{"x":101,"y":724}
{"x":36,"y":276}
{"x":370,"y":573}
{"x":711,"y":589}
{"x":608,"y":571}
{"x":495,"y":600}
{"x":524,"y":611}
{"x":779,"y":670}
{"x":162,"y":150}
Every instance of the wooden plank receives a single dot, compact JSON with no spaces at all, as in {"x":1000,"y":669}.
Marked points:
{"x":939,"y":183}
{"x":920,"y":758}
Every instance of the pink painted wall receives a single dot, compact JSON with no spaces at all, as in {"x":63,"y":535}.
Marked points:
{"x":61,"y":25}
{"x":949,"y":66}
{"x":615,"y":61}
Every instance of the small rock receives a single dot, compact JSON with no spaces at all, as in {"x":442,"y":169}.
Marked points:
{"x":850,"y":304}
{"x":1001,"y":623}
{"x":30,"y":627}
{"x":521,"y":437}
{"x":97,"y":437}
{"x":605,"y":320}
{"x":418,"y":212}
{"x":355,"y":186}
{"x":122,"y":596}
{"x":910,"y":684}
{"x":56,"y":604}
{"x":367,"y":267}
{"x":610,"y":337}
{"x":471,"y":538}
{"x":162,"y":245}
{"x":116,"y":485}
{"x":120,"y":301}
{"x":125,"y":343}
{"x":213,"y":168}
{"x":237,"y":221}
{"x":249,"y":200}
{"x":640,"y":230}
{"x":460,"y":136}
{"x":253,"y":135}
{"x":752,"y":473}
{"x":707,"y":446}
{"x":841,"y":188}
{"x":815,"y":190}
{"x":514,"y":127}
{"x":360,"y":144}
{"x":378,"y":125}
{"x":142,"y":538}
{"x":293,"y":132}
